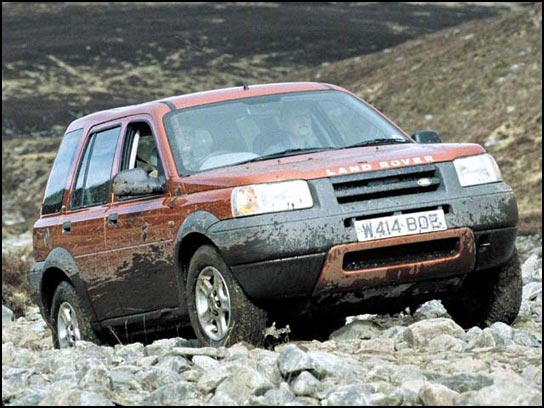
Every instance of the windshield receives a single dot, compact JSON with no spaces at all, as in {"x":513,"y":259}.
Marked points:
{"x":252,"y":129}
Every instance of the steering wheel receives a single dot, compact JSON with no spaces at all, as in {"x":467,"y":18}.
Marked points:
{"x":210,"y":155}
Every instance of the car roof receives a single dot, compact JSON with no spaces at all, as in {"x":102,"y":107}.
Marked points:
{"x":161,"y":106}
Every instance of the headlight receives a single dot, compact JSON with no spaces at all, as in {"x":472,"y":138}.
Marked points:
{"x":273,"y":197}
{"x":475,"y":170}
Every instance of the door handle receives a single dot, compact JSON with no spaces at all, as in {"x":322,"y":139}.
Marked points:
{"x":66,"y":227}
{"x":113,"y":218}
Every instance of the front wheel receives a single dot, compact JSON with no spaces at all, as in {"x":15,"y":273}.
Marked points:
{"x":486,"y":297}
{"x":220,"y":312}
{"x":69,"y":322}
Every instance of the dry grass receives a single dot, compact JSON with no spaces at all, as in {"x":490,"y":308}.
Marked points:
{"x":26,"y":163}
{"x":530,"y":223}
{"x":15,"y":282}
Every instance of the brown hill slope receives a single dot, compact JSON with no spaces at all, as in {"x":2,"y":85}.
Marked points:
{"x":63,"y":60}
{"x":478,"y":82}
{"x":467,"y":67}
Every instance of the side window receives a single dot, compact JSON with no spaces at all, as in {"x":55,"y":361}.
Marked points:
{"x":140,"y":150}
{"x":94,"y":175}
{"x":62,"y":168}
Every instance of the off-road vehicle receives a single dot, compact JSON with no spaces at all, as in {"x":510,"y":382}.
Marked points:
{"x":234,"y":208}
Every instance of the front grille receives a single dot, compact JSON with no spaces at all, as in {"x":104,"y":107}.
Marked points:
{"x":387,"y":183}
{"x":401,"y":254}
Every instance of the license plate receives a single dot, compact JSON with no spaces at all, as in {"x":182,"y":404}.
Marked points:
{"x":400,"y":225}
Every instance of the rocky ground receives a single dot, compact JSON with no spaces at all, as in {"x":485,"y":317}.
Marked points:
{"x":422,"y":359}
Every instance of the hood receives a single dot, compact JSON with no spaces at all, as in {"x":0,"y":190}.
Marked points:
{"x":328,"y":164}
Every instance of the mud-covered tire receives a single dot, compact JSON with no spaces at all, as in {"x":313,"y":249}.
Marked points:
{"x":486,"y":297}
{"x":65,"y":294}
{"x":246,"y":321}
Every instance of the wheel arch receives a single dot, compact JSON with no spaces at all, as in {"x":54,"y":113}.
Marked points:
{"x":61,"y":266}
{"x":191,"y":235}
{"x":51,"y":279}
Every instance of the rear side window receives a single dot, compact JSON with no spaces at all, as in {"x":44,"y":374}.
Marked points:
{"x":94,"y":175}
{"x":62,"y":168}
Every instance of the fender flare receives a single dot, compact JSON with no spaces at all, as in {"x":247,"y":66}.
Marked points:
{"x":61,"y":259}
{"x":197,"y":222}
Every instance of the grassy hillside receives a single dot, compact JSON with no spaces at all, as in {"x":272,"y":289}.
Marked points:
{"x":478,"y":82}
{"x":63,"y":60}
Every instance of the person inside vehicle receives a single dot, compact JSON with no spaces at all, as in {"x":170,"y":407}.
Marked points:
{"x":297,"y":121}
{"x":295,"y":132}
{"x":147,"y":156}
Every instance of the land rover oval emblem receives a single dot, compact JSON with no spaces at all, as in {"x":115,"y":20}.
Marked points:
{"x":424,"y":182}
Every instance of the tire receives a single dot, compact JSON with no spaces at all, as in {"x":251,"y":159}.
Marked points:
{"x":486,"y":297}
{"x":227,"y":316}
{"x":77,"y":324}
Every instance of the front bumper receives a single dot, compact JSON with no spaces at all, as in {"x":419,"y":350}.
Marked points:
{"x":288,"y":254}
{"x":336,"y":277}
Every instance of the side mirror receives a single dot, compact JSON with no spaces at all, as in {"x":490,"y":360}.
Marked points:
{"x":426,"y":136}
{"x":136,"y":182}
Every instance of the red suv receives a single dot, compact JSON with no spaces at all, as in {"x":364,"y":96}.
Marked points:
{"x":230,"y":208}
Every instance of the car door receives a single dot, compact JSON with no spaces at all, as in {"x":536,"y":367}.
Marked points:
{"x":83,"y":222}
{"x":139,"y":235}
{"x":47,"y":230}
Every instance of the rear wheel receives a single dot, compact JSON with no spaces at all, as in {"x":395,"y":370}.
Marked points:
{"x":486,"y":297}
{"x":69,"y":322}
{"x":221,"y":314}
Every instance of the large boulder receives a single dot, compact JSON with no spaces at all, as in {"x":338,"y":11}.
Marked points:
{"x":421,"y":333}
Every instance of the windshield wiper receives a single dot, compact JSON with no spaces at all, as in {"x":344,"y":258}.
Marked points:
{"x":286,"y":153}
{"x":377,"y":142}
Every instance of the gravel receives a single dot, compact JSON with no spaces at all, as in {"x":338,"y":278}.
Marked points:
{"x":419,"y":359}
